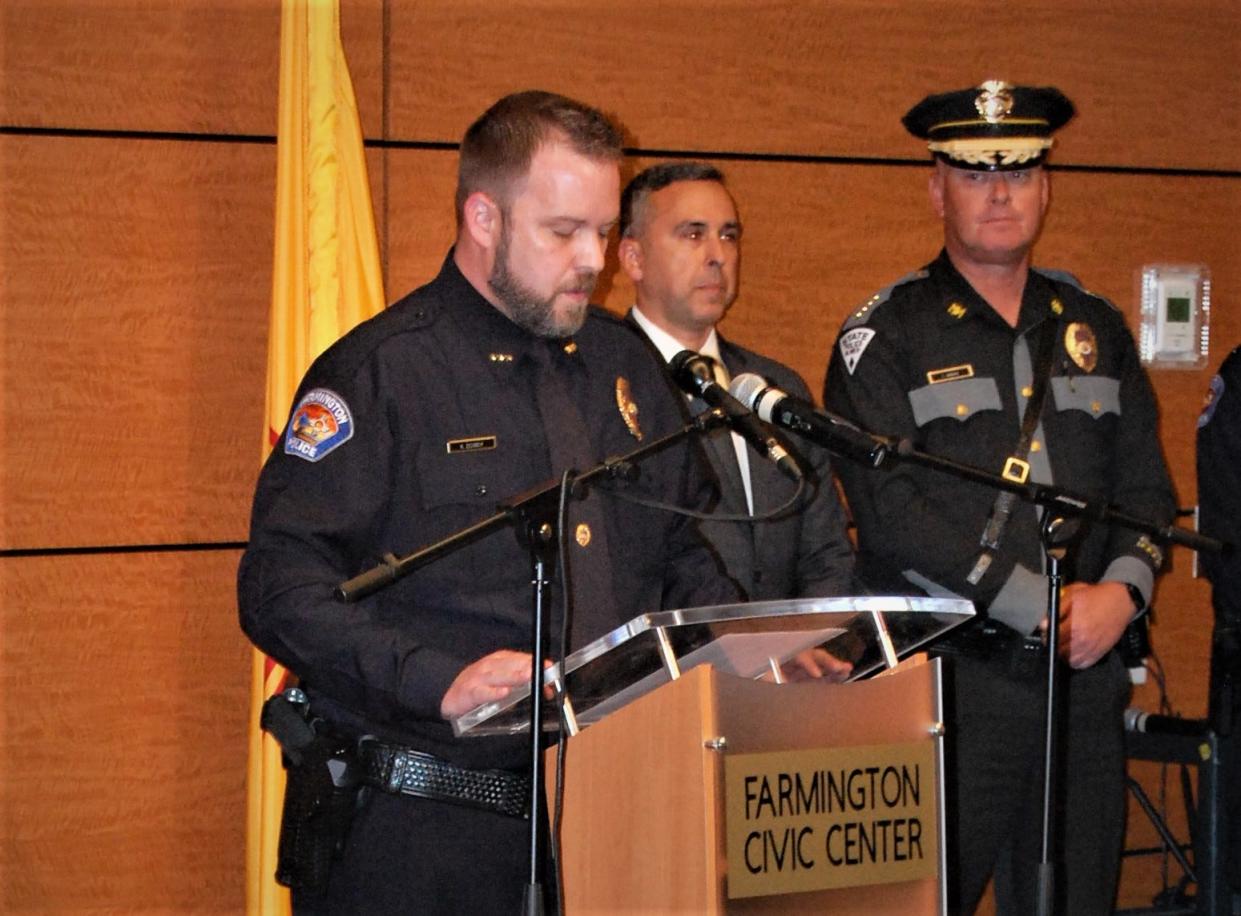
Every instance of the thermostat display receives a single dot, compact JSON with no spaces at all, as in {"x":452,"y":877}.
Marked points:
{"x":1176,"y":305}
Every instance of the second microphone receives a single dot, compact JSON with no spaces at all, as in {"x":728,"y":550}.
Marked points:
{"x":693,"y":373}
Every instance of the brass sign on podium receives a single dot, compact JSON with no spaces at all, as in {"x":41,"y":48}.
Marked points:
{"x":831,"y":817}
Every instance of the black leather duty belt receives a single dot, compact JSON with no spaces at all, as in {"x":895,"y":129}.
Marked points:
{"x":402,"y":771}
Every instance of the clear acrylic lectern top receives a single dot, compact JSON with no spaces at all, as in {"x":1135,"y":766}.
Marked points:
{"x":748,"y":640}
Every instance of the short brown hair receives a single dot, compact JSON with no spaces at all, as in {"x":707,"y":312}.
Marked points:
{"x":497,"y":149}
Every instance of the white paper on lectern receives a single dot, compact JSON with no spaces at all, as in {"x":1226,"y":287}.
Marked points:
{"x":745,"y":655}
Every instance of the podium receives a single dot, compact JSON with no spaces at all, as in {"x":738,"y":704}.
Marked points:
{"x":695,"y":782}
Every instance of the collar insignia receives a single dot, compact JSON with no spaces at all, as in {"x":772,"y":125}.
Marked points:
{"x":627,"y":407}
{"x":500,"y":357}
{"x":956,"y":310}
{"x":1057,"y":306}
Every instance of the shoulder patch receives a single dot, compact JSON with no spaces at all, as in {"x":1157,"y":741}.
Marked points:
{"x":320,"y":424}
{"x":853,"y":344}
{"x":1063,"y":276}
{"x":1214,"y":393}
{"x":862,"y":313}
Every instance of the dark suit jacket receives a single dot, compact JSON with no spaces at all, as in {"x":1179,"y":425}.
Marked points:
{"x":806,"y":551}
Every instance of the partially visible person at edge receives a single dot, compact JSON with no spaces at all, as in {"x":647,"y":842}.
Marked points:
{"x":681,"y":247}
{"x":486,"y":382}
{"x":949,"y":356}
{"x":1219,"y":516}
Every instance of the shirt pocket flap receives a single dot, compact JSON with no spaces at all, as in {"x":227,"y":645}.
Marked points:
{"x":959,"y":399}
{"x":1094,"y":395}
{"x":453,"y":478}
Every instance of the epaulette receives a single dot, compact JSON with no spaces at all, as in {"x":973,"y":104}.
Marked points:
{"x":415,"y":312}
{"x":862,"y":313}
{"x":1063,"y":276}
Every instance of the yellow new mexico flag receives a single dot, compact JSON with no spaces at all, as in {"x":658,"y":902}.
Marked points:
{"x":326,"y":279}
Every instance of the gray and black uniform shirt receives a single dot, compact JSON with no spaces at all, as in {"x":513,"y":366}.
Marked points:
{"x":929,"y":360}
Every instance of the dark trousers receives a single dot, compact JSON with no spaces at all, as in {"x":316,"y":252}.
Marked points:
{"x":995,"y":786}
{"x":413,"y":856}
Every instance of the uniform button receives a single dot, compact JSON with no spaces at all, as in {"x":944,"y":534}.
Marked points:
{"x":481,"y":489}
{"x":1027,"y":391}
{"x":1096,"y":406}
{"x":582,"y":534}
{"x":962,"y":410}
{"x":1036,"y":446}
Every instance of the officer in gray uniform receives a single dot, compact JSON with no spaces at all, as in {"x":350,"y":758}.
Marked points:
{"x":952,"y":357}
{"x":490,"y":380}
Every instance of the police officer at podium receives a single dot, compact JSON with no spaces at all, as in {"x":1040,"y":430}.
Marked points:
{"x":485,"y":383}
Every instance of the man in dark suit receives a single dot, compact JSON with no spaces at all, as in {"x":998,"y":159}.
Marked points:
{"x":681,"y":247}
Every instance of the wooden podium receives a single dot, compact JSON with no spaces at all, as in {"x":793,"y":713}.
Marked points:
{"x":694,"y":787}
{"x":644,"y":814}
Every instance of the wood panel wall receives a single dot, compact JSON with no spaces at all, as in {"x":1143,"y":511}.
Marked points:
{"x":136,"y":210}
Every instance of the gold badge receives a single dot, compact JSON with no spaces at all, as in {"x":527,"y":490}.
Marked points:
{"x":956,"y":309}
{"x":1083,"y":349}
{"x":628,"y":409}
{"x":995,"y":101}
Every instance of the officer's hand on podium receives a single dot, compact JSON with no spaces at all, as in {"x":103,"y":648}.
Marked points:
{"x":490,"y":678}
{"x":815,"y":664}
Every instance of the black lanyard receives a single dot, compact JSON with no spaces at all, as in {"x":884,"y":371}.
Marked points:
{"x":1017,"y":465}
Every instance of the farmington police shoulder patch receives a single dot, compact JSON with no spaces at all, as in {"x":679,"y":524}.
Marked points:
{"x":320,"y":424}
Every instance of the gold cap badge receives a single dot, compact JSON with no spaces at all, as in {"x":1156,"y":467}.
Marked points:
{"x":628,"y":409}
{"x":995,"y":101}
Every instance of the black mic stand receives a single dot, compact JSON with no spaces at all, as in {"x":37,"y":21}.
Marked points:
{"x":1059,"y":535}
{"x":534,"y":514}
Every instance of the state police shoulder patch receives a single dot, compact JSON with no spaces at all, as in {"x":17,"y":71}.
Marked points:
{"x":320,"y":424}
{"x":853,"y":344}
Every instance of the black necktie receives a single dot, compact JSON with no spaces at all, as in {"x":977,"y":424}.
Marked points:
{"x":587,"y":561}
{"x":720,"y":444}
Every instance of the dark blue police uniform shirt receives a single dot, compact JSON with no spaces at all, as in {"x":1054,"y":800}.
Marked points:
{"x":443,"y":426}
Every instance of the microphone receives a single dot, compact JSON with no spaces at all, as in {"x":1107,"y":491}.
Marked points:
{"x":692,"y":372}
{"x":830,"y":431}
{"x":1138,"y":721}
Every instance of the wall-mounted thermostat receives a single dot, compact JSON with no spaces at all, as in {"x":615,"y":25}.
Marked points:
{"x":1176,"y":312}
